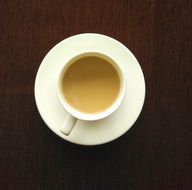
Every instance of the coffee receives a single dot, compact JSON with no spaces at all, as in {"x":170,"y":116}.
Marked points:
{"x":91,"y":84}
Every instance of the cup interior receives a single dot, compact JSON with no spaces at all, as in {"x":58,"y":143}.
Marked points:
{"x":91,"y":116}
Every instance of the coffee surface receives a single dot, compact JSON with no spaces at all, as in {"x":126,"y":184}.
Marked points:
{"x":91,"y":84}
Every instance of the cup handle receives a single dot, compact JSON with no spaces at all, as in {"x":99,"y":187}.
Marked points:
{"x":68,"y":125}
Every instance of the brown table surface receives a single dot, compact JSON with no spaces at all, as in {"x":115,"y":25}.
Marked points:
{"x":156,"y":153}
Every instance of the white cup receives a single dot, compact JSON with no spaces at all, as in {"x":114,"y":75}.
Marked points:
{"x":74,"y":114}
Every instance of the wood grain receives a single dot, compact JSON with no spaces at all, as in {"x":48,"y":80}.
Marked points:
{"x":155,"y":154}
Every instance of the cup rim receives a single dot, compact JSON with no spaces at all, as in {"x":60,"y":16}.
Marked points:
{"x":91,"y":116}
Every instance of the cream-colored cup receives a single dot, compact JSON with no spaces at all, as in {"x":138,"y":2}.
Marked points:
{"x":74,"y":114}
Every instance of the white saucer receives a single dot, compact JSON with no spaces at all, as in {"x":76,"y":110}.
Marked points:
{"x":97,"y":132}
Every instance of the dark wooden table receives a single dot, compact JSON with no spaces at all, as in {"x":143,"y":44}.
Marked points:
{"x":155,"y":154}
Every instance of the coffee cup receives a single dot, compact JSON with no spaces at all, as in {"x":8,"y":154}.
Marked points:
{"x":90,"y":86}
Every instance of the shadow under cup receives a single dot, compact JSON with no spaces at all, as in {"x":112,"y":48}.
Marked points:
{"x":91,"y":86}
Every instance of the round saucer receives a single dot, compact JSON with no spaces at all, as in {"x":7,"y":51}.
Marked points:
{"x":92,"y":132}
